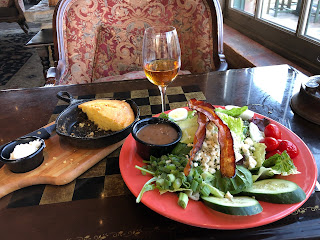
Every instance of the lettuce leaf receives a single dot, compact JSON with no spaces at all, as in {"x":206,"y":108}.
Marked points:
{"x":163,"y":115}
{"x":281,"y":164}
{"x":235,"y":124}
{"x":242,"y":180}
{"x":191,"y":114}
{"x":233,"y":112}
{"x":263,"y":173}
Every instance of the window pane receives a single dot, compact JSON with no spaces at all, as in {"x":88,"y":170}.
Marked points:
{"x":313,"y":25}
{"x":282,"y":12}
{"x":247,"y":6}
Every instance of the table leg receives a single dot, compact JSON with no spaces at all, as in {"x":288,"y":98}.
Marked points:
{"x":43,"y":53}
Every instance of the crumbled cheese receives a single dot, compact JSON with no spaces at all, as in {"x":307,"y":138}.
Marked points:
{"x":248,"y":149}
{"x":25,"y":149}
{"x":251,"y":162}
{"x":248,"y":141}
{"x":245,"y":149}
{"x":237,"y":146}
{"x":228,"y":195}
{"x":255,"y":134}
{"x":209,"y":154}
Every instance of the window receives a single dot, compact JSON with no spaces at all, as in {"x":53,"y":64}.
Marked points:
{"x":288,"y":27}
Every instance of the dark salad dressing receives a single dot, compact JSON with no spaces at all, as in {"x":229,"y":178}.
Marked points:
{"x":158,"y":134}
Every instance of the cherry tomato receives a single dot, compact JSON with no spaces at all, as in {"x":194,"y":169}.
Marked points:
{"x":272,"y":130}
{"x":271,"y":143}
{"x":288,"y":146}
{"x":271,"y":153}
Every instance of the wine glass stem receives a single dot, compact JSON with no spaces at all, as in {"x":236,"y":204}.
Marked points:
{"x":163,"y":97}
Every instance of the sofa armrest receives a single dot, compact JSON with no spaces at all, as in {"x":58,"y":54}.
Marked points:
{"x":223,"y":63}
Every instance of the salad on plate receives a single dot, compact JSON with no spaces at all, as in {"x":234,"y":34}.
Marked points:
{"x":226,"y":158}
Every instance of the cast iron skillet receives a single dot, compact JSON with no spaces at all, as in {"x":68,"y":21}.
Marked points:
{"x":74,"y":128}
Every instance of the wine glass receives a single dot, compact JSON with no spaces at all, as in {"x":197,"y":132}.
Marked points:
{"x":161,"y":57}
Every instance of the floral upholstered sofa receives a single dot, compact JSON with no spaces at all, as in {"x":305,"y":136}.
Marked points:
{"x":101,"y":40}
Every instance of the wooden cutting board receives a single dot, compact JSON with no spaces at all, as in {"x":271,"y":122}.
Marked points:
{"x":61,"y":165}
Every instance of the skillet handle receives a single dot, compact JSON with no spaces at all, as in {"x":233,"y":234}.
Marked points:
{"x":66,"y":96}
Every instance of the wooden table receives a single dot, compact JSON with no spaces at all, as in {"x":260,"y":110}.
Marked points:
{"x":43,"y":41}
{"x":100,"y":210}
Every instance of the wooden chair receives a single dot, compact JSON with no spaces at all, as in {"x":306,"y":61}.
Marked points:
{"x":13,"y":11}
{"x":283,"y":6}
{"x":315,"y":10}
{"x":99,"y":41}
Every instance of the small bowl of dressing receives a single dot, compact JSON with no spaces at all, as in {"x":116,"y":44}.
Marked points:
{"x":155,"y":136}
{"x":23,"y":154}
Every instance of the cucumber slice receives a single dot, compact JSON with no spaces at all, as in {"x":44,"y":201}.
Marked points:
{"x":241,"y":206}
{"x":276,"y":191}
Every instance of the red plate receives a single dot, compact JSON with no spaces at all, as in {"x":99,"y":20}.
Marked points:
{"x":196,"y":213}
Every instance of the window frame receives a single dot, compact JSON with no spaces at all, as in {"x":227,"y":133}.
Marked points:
{"x":294,"y":46}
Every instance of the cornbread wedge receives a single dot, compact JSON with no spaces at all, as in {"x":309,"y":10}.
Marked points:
{"x":113,"y":115}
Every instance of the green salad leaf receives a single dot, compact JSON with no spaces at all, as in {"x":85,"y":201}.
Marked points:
{"x":233,"y":112}
{"x":263,"y":173}
{"x":242,"y":180}
{"x":281,"y":164}
{"x":191,"y":114}
{"x":163,"y":115}
{"x":235,"y":124}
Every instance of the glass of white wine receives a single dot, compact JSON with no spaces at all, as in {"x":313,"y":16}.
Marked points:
{"x":161,"y":56}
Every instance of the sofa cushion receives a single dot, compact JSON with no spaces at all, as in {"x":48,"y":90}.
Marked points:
{"x":117,"y":52}
{"x":6,"y":3}
{"x":126,"y":21}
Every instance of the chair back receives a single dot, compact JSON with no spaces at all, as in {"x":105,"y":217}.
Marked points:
{"x":96,"y":39}
{"x":13,"y":11}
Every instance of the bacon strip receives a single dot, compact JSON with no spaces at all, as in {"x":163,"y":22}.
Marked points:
{"x":198,"y":140}
{"x":227,"y":157}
